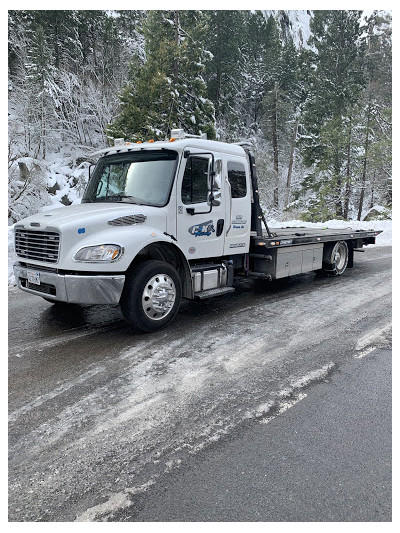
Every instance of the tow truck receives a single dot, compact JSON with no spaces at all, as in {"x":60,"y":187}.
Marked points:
{"x":164,"y":220}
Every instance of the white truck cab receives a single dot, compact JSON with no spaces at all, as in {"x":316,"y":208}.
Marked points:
{"x":158,"y":206}
{"x":164,"y":220}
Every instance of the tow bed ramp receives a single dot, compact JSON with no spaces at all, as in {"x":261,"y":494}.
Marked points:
{"x":289,"y":251}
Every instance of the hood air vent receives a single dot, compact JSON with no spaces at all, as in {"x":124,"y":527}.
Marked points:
{"x":129,"y":220}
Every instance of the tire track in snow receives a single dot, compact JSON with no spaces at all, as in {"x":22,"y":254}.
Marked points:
{"x":264,"y":413}
{"x":53,"y":394}
{"x":72,"y":335}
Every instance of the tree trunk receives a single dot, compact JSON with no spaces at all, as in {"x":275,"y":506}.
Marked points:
{"x":348,"y":176}
{"x":218,"y":71}
{"x":290,"y":169}
{"x":274,"y":122}
{"x":338,"y":186}
{"x":43,"y":132}
{"x":176,"y":64}
{"x":364,"y":173}
{"x":371,"y":204}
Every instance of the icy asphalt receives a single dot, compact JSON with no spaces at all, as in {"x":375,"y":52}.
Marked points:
{"x":272,"y":403}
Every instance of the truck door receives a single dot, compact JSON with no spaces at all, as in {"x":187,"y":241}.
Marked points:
{"x":238,"y":205}
{"x":200,"y":231}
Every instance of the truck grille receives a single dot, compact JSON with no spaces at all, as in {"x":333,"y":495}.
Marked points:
{"x":37,"y":245}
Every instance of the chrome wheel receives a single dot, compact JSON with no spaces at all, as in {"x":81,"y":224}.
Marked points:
{"x":335,"y":258}
{"x":152,"y":295}
{"x":158,"y":297}
{"x":340,"y":256}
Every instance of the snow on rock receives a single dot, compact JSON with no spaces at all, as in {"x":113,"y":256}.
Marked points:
{"x":295,"y":23}
{"x":300,"y":26}
{"x":60,"y":180}
{"x":66,"y":185}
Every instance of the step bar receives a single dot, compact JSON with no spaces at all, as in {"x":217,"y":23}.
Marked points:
{"x":202,"y":295}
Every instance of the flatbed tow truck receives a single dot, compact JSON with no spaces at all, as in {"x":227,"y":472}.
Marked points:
{"x":161,"y":221}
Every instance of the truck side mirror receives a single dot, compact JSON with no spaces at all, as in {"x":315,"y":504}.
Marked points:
{"x":216,"y":200}
{"x":90,"y":170}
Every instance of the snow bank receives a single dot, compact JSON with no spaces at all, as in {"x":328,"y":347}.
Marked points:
{"x":11,"y":256}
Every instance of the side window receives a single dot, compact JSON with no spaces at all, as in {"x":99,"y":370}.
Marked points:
{"x":237,"y":179}
{"x":195,"y":181}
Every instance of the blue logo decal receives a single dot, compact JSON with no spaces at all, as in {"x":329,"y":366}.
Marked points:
{"x":204,"y":228}
{"x":81,"y":230}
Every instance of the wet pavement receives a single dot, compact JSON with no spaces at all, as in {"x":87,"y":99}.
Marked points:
{"x":102,"y":417}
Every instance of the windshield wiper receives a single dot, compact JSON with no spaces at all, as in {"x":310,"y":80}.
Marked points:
{"x":118,"y":198}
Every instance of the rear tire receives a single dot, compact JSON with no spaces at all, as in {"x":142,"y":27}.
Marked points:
{"x":151,"y":296}
{"x":335,"y":258}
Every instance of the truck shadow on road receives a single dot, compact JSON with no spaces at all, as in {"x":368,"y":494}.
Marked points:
{"x":62,"y":319}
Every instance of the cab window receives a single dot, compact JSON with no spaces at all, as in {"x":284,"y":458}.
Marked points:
{"x":195,"y":180}
{"x":237,"y":179}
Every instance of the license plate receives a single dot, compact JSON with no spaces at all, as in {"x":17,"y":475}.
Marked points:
{"x":33,"y":277}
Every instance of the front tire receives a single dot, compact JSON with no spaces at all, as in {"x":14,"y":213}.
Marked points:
{"x":151,"y":296}
{"x":335,"y":258}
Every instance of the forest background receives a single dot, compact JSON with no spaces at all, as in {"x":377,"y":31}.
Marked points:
{"x":312,"y":90}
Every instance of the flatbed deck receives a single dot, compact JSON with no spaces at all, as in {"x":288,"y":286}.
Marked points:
{"x":293,"y":236}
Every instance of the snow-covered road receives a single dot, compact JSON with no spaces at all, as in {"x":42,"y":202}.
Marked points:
{"x":99,"y":415}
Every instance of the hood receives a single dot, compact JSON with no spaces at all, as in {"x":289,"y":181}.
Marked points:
{"x":94,"y":214}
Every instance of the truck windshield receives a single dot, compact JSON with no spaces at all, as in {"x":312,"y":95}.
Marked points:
{"x":143,"y":177}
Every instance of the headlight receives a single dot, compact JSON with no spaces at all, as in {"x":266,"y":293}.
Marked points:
{"x":102,"y":252}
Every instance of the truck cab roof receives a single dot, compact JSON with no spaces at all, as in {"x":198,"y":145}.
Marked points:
{"x":178,"y":145}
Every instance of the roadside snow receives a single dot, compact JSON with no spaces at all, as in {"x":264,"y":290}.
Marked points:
{"x":11,"y":256}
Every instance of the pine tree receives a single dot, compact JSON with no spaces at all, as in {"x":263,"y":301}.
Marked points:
{"x":168,"y":90}
{"x":18,"y":44}
{"x":257,"y":72}
{"x":336,"y":81}
{"x":62,"y":37}
{"x":224,"y":71}
{"x":40,"y":89}
{"x":270,"y":100}
{"x":374,"y":128}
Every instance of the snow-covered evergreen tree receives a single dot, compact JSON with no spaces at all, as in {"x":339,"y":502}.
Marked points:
{"x":226,"y":41}
{"x":374,"y":132}
{"x":336,"y":81}
{"x":318,"y":113}
{"x":168,"y":90}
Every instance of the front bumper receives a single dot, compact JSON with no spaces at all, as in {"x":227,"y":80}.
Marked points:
{"x":71,"y":288}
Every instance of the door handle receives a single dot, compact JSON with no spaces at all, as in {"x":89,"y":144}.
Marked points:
{"x":220,"y":227}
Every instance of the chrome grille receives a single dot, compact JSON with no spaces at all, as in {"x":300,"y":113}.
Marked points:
{"x":37,"y":245}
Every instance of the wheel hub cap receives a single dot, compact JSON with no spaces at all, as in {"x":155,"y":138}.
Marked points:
{"x":340,"y":257}
{"x":159,"y":296}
